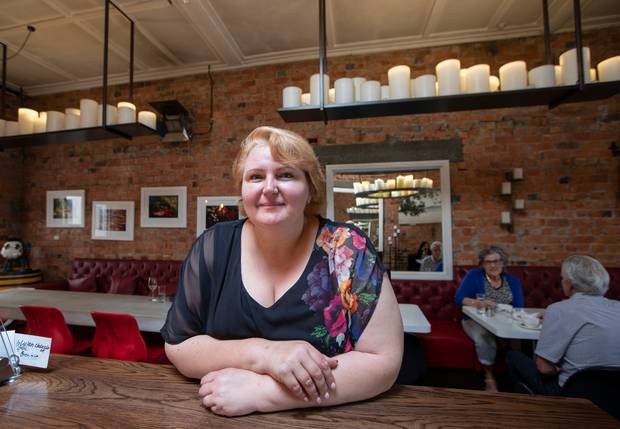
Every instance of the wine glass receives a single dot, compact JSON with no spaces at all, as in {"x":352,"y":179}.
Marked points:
{"x":152,"y":284}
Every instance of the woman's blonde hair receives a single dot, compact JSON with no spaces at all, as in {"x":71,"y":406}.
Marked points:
{"x":288,"y":148}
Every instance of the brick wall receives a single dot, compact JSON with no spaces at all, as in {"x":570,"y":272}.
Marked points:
{"x":571,"y":181}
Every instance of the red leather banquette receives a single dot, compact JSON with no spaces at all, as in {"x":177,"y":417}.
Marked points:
{"x":109,"y":271}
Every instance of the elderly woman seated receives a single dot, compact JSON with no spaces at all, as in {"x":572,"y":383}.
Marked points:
{"x":496,"y":286}
{"x":579,"y":332}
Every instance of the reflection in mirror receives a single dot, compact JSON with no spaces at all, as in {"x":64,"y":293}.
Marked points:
{"x":403,"y":207}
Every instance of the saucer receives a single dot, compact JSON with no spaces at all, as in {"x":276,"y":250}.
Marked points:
{"x":524,"y":326}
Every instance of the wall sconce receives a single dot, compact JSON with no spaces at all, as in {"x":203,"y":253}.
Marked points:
{"x":516,"y":175}
{"x":506,"y":188}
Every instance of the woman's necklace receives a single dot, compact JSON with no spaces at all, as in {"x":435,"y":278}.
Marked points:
{"x":495,"y":284}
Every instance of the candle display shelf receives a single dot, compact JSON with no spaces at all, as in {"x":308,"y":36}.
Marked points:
{"x":387,"y":193}
{"x":77,"y":135}
{"x":550,"y":97}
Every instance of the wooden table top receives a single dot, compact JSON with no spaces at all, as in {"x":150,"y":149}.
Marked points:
{"x":93,"y":392}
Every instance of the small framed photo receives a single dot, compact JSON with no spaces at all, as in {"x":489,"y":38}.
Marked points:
{"x":113,"y":220}
{"x":164,"y":207}
{"x":65,"y":209}
{"x":211,"y":210}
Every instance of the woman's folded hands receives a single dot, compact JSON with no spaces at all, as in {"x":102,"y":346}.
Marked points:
{"x":297,"y":365}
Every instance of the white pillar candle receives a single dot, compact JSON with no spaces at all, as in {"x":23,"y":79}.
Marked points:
{"x":568,"y":61}
{"x":357,"y":187}
{"x":506,"y":188}
{"x":425,"y":85}
{"x":506,"y":218}
{"x":416,"y":183}
{"x":519,"y":204}
{"x":72,"y":118}
{"x":148,"y":118}
{"x":409,"y":181}
{"x":11,"y":128}
{"x":398,"y":79}
{"x":448,"y":77}
{"x":513,"y":76}
{"x":380,"y":184}
{"x":43,"y":115}
{"x":478,"y":78}
{"x":429,"y":183}
{"x":463,"y":81}
{"x":609,"y":69}
{"x":517,"y":173}
{"x":332,"y":95}
{"x":400,"y":181}
{"x":592,"y":75}
{"x":25,"y":119}
{"x":558,"y":75}
{"x":391,"y":184}
{"x":357,"y":84}
{"x":345,"y":90}
{"x":126,"y":112}
{"x":291,"y":96}
{"x":111,"y":115}
{"x":315,"y":89}
{"x":365,"y":186}
{"x":2,"y":127}
{"x":412,"y":88}
{"x":385,"y":92}
{"x":305,"y":99}
{"x":493,"y":83}
{"x":371,"y":91}
{"x":88,"y":113}
{"x":39,"y":125}
{"x":542,"y":76}
{"x":55,"y":121}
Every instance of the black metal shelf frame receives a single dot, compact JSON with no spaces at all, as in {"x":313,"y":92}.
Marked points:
{"x":551,"y":96}
{"x":105,"y":131}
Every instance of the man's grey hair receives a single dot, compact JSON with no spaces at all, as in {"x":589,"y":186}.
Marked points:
{"x":586,"y":275}
{"x":435,"y":244}
{"x":493,"y":250}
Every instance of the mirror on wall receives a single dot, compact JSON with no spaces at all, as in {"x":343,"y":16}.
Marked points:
{"x":404,"y":207}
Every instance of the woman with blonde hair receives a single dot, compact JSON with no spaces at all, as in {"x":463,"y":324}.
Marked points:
{"x":283,"y":309}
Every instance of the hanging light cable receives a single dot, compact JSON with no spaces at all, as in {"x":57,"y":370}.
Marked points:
{"x":31,"y":30}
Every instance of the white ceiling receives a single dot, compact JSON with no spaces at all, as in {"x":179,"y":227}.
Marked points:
{"x":180,"y":37}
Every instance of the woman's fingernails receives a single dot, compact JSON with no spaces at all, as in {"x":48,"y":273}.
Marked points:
{"x":306,"y":398}
{"x":318,"y":399}
{"x":326,"y":395}
{"x":333,"y":386}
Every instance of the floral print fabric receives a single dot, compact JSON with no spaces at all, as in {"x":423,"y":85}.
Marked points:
{"x":343,"y":287}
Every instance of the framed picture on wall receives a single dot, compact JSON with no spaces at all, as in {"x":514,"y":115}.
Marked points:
{"x":211,"y":210}
{"x":113,"y":220}
{"x":65,"y":209}
{"x":163,"y":207}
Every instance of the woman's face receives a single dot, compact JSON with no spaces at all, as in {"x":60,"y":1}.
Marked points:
{"x":493,"y":264}
{"x":272,"y":193}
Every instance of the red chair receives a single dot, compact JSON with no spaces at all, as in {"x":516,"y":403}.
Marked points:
{"x":49,"y":322}
{"x":117,"y":336}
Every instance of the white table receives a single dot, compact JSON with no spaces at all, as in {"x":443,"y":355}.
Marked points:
{"x":502,"y":325}
{"x":77,"y":306}
{"x":414,"y":320}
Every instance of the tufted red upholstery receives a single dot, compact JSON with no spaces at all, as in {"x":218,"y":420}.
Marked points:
{"x":447,"y":346}
{"x":104,"y":269}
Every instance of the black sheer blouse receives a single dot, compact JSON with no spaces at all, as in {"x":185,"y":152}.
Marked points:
{"x":329,"y":305}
